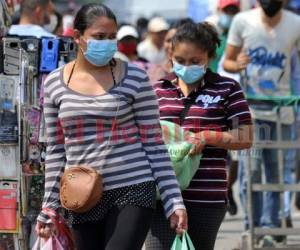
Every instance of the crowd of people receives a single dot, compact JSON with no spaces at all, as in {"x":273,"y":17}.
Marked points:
{"x":196,"y":75}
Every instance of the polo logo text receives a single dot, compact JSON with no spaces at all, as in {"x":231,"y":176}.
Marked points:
{"x":207,"y":99}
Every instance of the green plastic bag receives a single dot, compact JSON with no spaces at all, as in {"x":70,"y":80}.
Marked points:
{"x":185,"y":166}
{"x":185,"y":244}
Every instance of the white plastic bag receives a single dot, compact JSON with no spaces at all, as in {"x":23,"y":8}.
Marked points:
{"x":61,"y":240}
{"x":51,"y":244}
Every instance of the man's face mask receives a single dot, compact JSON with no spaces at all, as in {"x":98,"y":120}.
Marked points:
{"x":271,"y":7}
{"x":127,"y":48}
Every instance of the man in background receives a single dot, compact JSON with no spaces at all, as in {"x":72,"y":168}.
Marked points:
{"x":34,"y":15}
{"x":260,"y":44}
{"x":152,"y":48}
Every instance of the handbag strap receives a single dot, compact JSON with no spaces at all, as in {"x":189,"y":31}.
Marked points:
{"x":188,"y":102}
{"x":187,"y":105}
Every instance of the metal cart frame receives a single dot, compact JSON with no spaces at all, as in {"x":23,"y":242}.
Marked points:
{"x":280,"y":144}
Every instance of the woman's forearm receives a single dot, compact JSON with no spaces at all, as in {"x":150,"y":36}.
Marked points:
{"x":237,"y":139}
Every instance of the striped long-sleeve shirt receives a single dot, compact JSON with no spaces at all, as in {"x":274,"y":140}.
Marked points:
{"x":81,"y":131}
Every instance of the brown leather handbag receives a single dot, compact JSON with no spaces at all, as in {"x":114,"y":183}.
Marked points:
{"x":81,"y":188}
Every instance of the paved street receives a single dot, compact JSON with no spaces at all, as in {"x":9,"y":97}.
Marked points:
{"x":230,"y":233}
{"x":232,"y":227}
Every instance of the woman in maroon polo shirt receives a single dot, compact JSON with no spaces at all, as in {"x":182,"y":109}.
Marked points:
{"x":220,"y":117}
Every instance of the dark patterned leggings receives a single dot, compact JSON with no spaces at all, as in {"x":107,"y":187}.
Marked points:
{"x":204,"y":224}
{"x":122,"y":229}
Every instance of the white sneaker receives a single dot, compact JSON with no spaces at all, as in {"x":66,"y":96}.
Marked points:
{"x":267,"y":241}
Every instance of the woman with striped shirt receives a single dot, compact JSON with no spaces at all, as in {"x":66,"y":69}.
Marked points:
{"x":103,"y":113}
{"x":220,"y":117}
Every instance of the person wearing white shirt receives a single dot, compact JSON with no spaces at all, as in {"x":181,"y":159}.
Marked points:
{"x":152,"y":48}
{"x":34,"y":14}
{"x":261,"y":43}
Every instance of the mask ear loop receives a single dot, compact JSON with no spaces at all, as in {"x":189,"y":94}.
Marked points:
{"x":80,"y":46}
{"x":171,"y":62}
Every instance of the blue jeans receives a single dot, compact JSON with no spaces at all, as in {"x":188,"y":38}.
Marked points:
{"x":266,"y":205}
{"x":290,"y":165}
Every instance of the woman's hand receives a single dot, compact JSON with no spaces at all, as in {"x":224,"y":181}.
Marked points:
{"x":199,"y":143}
{"x":179,"y":221}
{"x":44,"y":230}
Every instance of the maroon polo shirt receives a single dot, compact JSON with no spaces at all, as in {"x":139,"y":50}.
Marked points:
{"x":219,"y":105}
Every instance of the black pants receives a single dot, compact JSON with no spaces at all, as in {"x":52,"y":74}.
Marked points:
{"x":204,"y":224}
{"x":122,"y":229}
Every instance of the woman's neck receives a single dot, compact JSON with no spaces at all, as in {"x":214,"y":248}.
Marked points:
{"x":187,"y":89}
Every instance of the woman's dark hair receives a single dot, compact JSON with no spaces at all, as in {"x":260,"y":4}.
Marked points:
{"x":180,"y":22}
{"x":88,"y":13}
{"x":203,"y":35}
{"x":59,"y":18}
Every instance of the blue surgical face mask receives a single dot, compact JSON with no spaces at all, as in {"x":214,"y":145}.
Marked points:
{"x":225,"y":21}
{"x":100,"y":52}
{"x":189,"y":74}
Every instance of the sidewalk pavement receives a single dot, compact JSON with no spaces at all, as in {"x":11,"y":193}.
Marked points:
{"x":229,"y":236}
{"x":231,"y":229}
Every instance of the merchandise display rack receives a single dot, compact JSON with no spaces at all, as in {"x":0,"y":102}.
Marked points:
{"x":26,"y":63}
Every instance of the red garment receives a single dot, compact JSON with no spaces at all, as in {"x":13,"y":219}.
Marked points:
{"x":127,"y":48}
{"x":69,"y":32}
{"x":224,"y":3}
